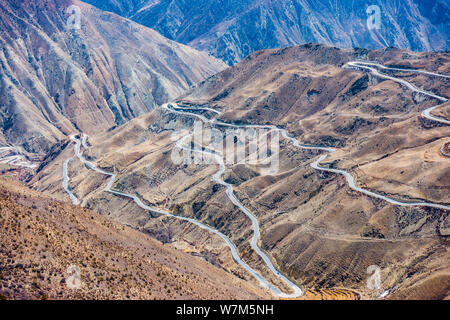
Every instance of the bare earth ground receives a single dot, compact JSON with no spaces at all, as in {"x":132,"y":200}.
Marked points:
{"x":42,"y":237}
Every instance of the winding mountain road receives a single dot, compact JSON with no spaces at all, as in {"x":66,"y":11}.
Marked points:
{"x":66,"y":187}
{"x":14,"y":158}
{"x":264,"y":283}
{"x":426,"y":113}
{"x":218,"y":158}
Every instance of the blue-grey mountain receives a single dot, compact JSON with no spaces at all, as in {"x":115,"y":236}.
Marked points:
{"x":232,"y":29}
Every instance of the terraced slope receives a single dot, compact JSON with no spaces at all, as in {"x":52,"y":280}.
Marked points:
{"x":331,"y":294}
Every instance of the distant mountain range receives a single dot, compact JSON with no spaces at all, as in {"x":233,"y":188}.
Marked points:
{"x":232,"y":29}
{"x":57,"y":79}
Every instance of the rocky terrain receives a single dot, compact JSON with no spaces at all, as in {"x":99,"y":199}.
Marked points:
{"x":231,"y":30}
{"x":41,"y":238}
{"x":317,"y":230}
{"x":56,"y":79}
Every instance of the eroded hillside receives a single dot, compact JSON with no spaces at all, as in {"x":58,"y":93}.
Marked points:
{"x":67,"y":66}
{"x":315,"y":228}
{"x":41,"y":238}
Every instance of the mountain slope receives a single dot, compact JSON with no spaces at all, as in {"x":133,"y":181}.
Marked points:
{"x":231,"y":30}
{"x":42,"y":237}
{"x":309,"y":93}
{"x":56,"y":80}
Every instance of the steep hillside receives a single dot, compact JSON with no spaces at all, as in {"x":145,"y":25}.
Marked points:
{"x":231,"y":30}
{"x":42,"y":237}
{"x":317,"y":230}
{"x":121,"y":7}
{"x":373,"y":121}
{"x":56,"y":79}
